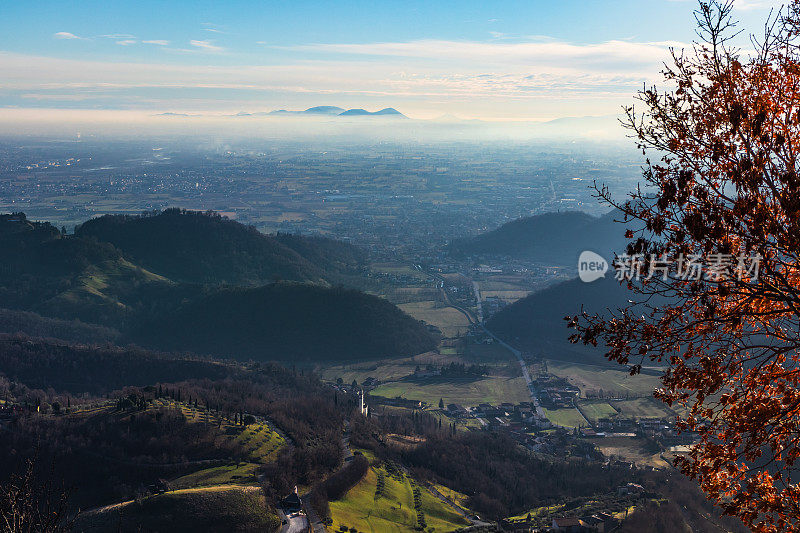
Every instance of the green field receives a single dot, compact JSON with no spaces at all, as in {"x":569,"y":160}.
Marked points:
{"x":597,"y":409}
{"x":592,"y":379}
{"x":223,"y":508}
{"x":387,"y":369}
{"x":565,"y":417}
{"x":642,"y":408}
{"x":392,"y":510}
{"x":467,"y":392}
{"x":451,"y":321}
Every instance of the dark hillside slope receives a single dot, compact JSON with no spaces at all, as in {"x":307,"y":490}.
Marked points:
{"x":289,"y":322}
{"x":555,"y":238}
{"x":197,"y":247}
{"x":536,"y":323}
{"x":13,"y":321}
{"x":67,"y":276}
{"x":78,"y":368}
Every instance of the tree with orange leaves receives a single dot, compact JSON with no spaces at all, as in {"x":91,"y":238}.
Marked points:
{"x":724,"y":197}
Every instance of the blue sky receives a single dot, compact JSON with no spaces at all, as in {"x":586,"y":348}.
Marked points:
{"x":531,"y":60}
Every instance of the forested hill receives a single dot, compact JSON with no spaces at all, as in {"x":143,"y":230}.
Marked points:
{"x":556,"y":238}
{"x":289,"y":322}
{"x":190,"y":303}
{"x":203,"y":247}
{"x":68,"y":277}
{"x":536,"y":323}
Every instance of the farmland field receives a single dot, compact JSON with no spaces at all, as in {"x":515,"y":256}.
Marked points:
{"x":597,"y":409}
{"x":590,"y":378}
{"x":629,"y":449}
{"x":566,"y":417}
{"x":451,"y":321}
{"x":509,"y":296}
{"x":386,"y":369}
{"x":467,"y":392}
{"x":399,"y":269}
{"x":642,"y":408}
{"x":392,"y":510}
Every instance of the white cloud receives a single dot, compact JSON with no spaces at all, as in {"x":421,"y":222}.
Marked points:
{"x":758,"y":4}
{"x":126,"y":42}
{"x":159,"y":42}
{"x":118,"y":36}
{"x":206,"y":45}
{"x":748,"y":5}
{"x":207,"y":26}
{"x":67,"y":35}
{"x":515,"y":79}
{"x":609,"y":56}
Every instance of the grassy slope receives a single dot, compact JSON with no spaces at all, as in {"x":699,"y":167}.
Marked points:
{"x":393,"y":512}
{"x":261,"y":442}
{"x":222,"y":508}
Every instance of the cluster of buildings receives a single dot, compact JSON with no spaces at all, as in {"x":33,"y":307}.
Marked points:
{"x":600,"y":522}
{"x":556,"y":392}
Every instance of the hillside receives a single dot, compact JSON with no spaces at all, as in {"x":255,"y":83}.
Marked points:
{"x":372,"y":505}
{"x":288,"y":322}
{"x":70,"y":277}
{"x":554,"y":238}
{"x":536,"y":323}
{"x":197,"y":247}
{"x":223,"y":508}
{"x":13,"y":321}
{"x":68,"y":367}
{"x":156,"y":280}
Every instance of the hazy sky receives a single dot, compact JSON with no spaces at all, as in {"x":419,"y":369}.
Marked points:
{"x":492,"y":60}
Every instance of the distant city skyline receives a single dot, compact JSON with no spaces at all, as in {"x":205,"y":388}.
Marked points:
{"x":496,"y":61}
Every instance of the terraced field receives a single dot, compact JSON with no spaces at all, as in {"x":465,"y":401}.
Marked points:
{"x":259,"y":441}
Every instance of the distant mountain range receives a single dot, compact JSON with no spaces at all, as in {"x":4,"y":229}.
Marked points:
{"x":555,"y":238}
{"x":330,"y":110}
{"x":320,"y":110}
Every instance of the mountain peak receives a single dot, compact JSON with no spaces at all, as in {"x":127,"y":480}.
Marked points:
{"x":387,"y":111}
{"x":324,"y":110}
